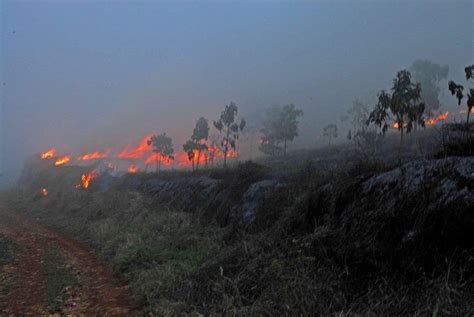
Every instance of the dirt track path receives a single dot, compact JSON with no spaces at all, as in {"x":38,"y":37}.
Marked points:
{"x":98,"y":293}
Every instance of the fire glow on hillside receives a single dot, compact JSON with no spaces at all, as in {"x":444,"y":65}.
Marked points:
{"x":140,"y":154}
{"x":48,"y":154}
{"x":94,"y":155}
{"x":62,"y":160}
{"x":428,"y":121}
{"x":86,"y":179}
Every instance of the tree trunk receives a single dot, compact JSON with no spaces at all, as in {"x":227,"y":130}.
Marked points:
{"x":468,"y":113}
{"x":284,"y":147}
{"x":226,"y":146}
{"x":198,"y":154}
{"x":401,"y":143}
{"x":156,"y":162}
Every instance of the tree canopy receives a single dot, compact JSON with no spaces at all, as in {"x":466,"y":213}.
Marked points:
{"x":227,"y":125}
{"x":162,"y":147}
{"x":279,"y":126}
{"x":404,"y":104}
{"x":458,"y":90}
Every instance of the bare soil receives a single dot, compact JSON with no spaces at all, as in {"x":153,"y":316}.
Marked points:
{"x":98,"y":292}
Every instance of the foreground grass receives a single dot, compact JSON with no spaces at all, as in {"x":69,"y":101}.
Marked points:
{"x":299,"y":256}
{"x":155,"y":254}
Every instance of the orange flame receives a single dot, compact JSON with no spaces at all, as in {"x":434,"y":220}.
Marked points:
{"x":44,"y":192}
{"x":48,"y":154}
{"x":396,"y":125}
{"x":132,"y":169}
{"x":440,"y":117}
{"x":430,"y":121}
{"x":443,"y":116}
{"x":94,"y":155}
{"x":136,"y":152}
{"x":62,"y":160}
{"x":86,"y":179}
{"x":164,"y":160}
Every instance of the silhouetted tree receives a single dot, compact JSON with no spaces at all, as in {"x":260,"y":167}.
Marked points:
{"x":330,"y":132}
{"x":200,"y":136}
{"x":279,"y":126}
{"x":404,"y":103}
{"x":227,"y":126}
{"x":429,"y":75}
{"x":457,"y":90}
{"x":189,"y":147}
{"x":162,"y":147}
{"x":213,"y":147}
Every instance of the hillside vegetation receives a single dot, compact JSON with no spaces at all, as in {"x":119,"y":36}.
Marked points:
{"x":310,"y":236}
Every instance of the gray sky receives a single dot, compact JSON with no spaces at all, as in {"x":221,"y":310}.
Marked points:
{"x":85,"y":74}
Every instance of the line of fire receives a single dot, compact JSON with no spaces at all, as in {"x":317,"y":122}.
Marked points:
{"x":138,"y":157}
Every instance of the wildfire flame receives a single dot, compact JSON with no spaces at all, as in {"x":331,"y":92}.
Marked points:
{"x":440,"y":117}
{"x":48,"y":154}
{"x":136,"y":152}
{"x":155,"y":156}
{"x":141,"y":154}
{"x":396,"y":125}
{"x":428,"y":121}
{"x":44,"y":192}
{"x":132,"y":169}
{"x":86,"y":179}
{"x":62,"y":160}
{"x":94,"y":155}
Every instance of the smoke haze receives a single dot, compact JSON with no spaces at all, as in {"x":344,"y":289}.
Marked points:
{"x":84,"y":75}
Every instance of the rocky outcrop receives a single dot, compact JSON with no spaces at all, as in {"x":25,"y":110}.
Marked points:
{"x":253,"y":198}
{"x":411,"y":213}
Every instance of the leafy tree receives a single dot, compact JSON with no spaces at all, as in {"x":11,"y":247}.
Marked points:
{"x":162,"y":147}
{"x":429,"y":75}
{"x":200,"y":136}
{"x":279,"y":126}
{"x":457,"y":90}
{"x":189,"y":147}
{"x":329,"y":132}
{"x":404,"y":103}
{"x":230,"y":129}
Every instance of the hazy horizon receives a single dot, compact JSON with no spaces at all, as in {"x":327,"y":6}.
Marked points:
{"x":92,"y":74}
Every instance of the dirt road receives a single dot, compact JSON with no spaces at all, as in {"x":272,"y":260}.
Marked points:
{"x":32,"y":281}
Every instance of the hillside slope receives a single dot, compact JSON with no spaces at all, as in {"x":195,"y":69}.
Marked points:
{"x":373,"y":240}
